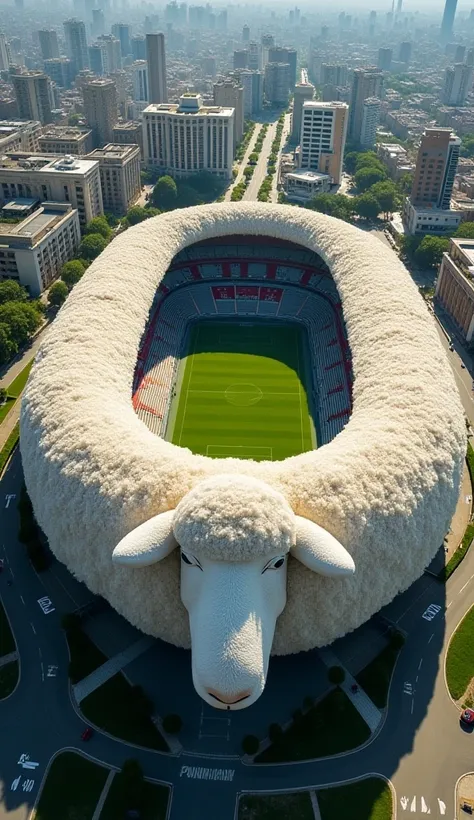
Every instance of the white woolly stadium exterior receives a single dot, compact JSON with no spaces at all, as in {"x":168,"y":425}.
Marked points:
{"x":385,"y":487}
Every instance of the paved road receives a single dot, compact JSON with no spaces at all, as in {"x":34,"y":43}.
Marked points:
{"x":244,"y":162}
{"x":261,"y":167}
{"x":421,"y":746}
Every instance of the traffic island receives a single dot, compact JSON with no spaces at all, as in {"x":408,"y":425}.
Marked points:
{"x":72,"y":788}
{"x":9,"y":667}
{"x":276,"y":806}
{"x":368,"y":799}
{"x":129,"y":791}
{"x":460,"y":662}
{"x":465,"y":795}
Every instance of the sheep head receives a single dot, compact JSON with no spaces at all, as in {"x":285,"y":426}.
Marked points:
{"x":235,"y":534}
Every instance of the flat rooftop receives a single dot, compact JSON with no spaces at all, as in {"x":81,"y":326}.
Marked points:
{"x":113,"y":151}
{"x":45,"y":164}
{"x":307,"y":176}
{"x":35,"y":226}
{"x":204,"y":111}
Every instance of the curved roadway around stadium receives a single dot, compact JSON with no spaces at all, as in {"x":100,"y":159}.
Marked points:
{"x":421,"y":746}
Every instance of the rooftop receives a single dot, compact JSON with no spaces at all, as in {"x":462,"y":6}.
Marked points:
{"x":65,"y":132}
{"x":113,"y":151}
{"x":307,"y":176}
{"x":43,"y":162}
{"x":32,"y":230}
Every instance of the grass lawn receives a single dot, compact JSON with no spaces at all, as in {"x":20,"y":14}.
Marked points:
{"x":72,"y":789}
{"x":9,"y":445}
{"x":111,"y":708}
{"x":7,"y":641}
{"x":5,"y":408}
{"x":154,"y":805}
{"x":85,"y":656}
{"x":375,"y":677}
{"x":333,"y":725}
{"x":460,"y":657}
{"x":14,"y":389}
{"x":8,"y":678}
{"x":369,"y":799}
{"x":243,"y":392}
{"x":296,"y":806}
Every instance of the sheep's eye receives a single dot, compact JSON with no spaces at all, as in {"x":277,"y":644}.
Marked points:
{"x":275,"y":563}
{"x":190,"y":561}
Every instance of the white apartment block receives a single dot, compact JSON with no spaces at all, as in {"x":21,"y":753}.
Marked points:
{"x":20,"y":135}
{"x":370,"y":121}
{"x":119,"y":176}
{"x":323,"y":137}
{"x":67,"y":179}
{"x":189,"y":137}
{"x":33,"y":251}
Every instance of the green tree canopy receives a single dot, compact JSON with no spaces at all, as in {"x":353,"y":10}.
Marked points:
{"x":8,"y":348}
{"x":465,"y":231}
{"x":336,"y":205}
{"x":367,"y":206}
{"x":99,"y":225}
{"x":406,"y":183}
{"x":11,"y":291}
{"x":366,"y":159}
{"x":366,"y":177}
{"x":92,"y":245}
{"x":136,"y":214}
{"x":22,"y":320}
{"x":467,"y":145}
{"x":74,"y":119}
{"x":165,"y":194}
{"x":72,"y":272}
{"x":188,"y":196}
{"x":350,"y":161}
{"x":112,"y":220}
{"x":430,"y":251}
{"x":386,"y":192}
{"x":58,"y":294}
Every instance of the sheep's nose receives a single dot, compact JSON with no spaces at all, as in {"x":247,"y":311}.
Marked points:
{"x":229,"y":699}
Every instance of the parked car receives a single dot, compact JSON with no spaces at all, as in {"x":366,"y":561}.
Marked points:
{"x":87,"y":733}
{"x":467,"y":716}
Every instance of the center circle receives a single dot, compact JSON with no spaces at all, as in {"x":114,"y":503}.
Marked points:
{"x":243,"y":394}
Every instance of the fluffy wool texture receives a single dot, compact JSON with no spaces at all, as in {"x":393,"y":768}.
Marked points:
{"x":234,"y":518}
{"x":386,"y":486}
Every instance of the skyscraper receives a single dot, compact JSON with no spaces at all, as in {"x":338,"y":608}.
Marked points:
{"x":277,"y":83}
{"x":457,"y":84}
{"x":122,"y":32}
{"x":112,"y":53}
{"x":97,"y":58}
{"x":370,"y":121}
{"x":140,"y":81}
{"x":76,"y":44}
{"x":323,"y":137}
{"x":155,"y":54}
{"x":282,"y":54}
{"x":4,"y":53}
{"x":138,"y":46}
{"x":59,"y":69}
{"x":33,"y":96}
{"x":448,"y":20}
{"x":367,"y":82}
{"x":303,"y":93}
{"x":436,"y":165}
{"x":100,"y":108}
{"x":241,"y":58}
{"x":230,"y":94}
{"x":404,"y":55}
{"x":48,"y":40}
{"x":98,"y":22}
{"x":246,"y":34}
{"x":385,"y":59}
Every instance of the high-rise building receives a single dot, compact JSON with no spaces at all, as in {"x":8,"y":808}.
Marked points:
{"x":448,"y":20}
{"x":98,"y":22}
{"x":277,"y":83}
{"x":282,"y":54}
{"x":241,"y":59}
{"x":138,"y":47}
{"x":4,"y":53}
{"x":254,"y":57}
{"x":122,"y":32}
{"x":333,"y":74}
{"x":100,"y":108}
{"x":404,"y":55}
{"x":435,"y":170}
{"x":267,"y":41}
{"x":303,"y":93}
{"x":208,"y":65}
{"x":112,"y":53}
{"x":33,"y":96}
{"x":157,"y":87}
{"x":76,"y":44}
{"x":323,"y":137}
{"x":190,"y":137}
{"x":59,"y":70}
{"x":385,"y":59}
{"x":457,"y":84}
{"x":246,"y":34}
{"x":399,"y":6}
{"x":119,"y":167}
{"x":229,"y":94}
{"x":459,"y":54}
{"x":65,"y":139}
{"x":367,"y":82}
{"x":140,"y":81}
{"x":98,"y":58}
{"x":470,"y":57}
{"x":48,"y":40}
{"x":252,"y":83}
{"x":129,"y":133}
{"x":370,"y":121}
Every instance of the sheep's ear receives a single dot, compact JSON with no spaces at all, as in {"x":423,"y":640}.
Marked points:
{"x":318,"y":550}
{"x":147,"y":544}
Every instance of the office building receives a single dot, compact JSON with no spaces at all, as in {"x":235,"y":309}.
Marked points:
{"x":208,"y":65}
{"x":98,"y":58}
{"x":138,"y":47}
{"x":100,"y":108}
{"x":455,"y":288}
{"x":323,"y":137}
{"x":229,"y":94}
{"x":98,"y":22}
{"x":68,"y":179}
{"x":254,"y":59}
{"x":246,"y":34}
{"x":385,"y":59}
{"x":367,"y":82}
{"x":459,"y":54}
{"x":301,"y":186}
{"x":59,"y":69}
{"x":5,"y":56}
{"x":457,"y":84}
{"x":448,"y":20}
{"x":252,"y":84}
{"x":189,"y":137}
{"x":112,"y":54}
{"x":19,"y":135}
{"x":122,"y":32}
{"x":277,"y":83}
{"x":303,"y":93}
{"x":33,"y":96}
{"x":129,"y":133}
{"x":404,"y":54}
{"x":470,"y":57}
{"x":119,"y":167}
{"x":140,"y":81}
{"x":33,"y":251}
{"x":155,"y":50}
{"x":336,"y":75}
{"x":267,"y":42}
{"x":370,"y":121}
{"x":76,"y":44}
{"x":67,"y":140}
{"x":48,"y":41}
{"x":241,"y":59}
{"x":281,"y":54}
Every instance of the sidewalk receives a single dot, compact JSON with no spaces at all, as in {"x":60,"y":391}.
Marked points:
{"x":367,"y":710}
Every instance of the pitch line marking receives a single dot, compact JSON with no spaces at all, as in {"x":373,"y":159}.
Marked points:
{"x":299,"y":395}
{"x":222,"y":392}
{"x":187,"y":386}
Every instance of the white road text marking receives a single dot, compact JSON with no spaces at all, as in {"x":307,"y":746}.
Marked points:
{"x":201,"y":773}
{"x":46,"y":605}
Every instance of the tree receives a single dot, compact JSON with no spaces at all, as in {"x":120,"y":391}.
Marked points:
{"x":367,"y":159}
{"x":8,"y":348}
{"x":172,"y":724}
{"x":99,"y":225}
{"x":11,"y":291}
{"x":188,"y":196}
{"x":467,"y":145}
{"x":73,"y":119}
{"x":165,"y":194}
{"x":22,"y":320}
{"x":72,"y":272}
{"x":465,"y":231}
{"x":336,"y":674}
{"x":350,"y":161}
{"x":430,"y":251}
{"x":112,"y":220}
{"x":406,"y":183}
{"x":136,"y":214}
{"x":386,"y":193}
{"x":58,"y":294}
{"x":3,"y":395}
{"x":131,"y":784}
{"x":92,"y":245}
{"x":367,"y":206}
{"x":366,"y":177}
{"x":336,"y":205}
{"x":250,"y":744}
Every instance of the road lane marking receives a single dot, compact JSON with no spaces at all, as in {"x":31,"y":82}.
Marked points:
{"x":33,"y":628}
{"x":431,"y":638}
{"x":412,"y":705}
{"x":465,"y":585}
{"x":419,"y":665}
{"x":22,"y":600}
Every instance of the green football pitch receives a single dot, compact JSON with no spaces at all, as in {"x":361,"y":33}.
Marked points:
{"x":241,"y":392}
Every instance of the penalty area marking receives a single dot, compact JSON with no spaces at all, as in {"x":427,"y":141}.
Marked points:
{"x":239,"y":451}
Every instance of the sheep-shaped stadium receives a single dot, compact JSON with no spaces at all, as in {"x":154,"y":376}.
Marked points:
{"x":242,"y":431}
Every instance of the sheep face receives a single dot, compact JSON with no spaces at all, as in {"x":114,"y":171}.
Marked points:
{"x":234,"y":533}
